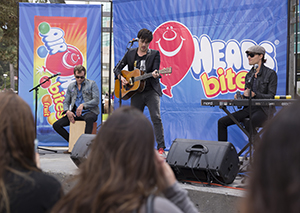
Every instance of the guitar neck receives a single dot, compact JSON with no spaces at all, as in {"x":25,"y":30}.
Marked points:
{"x":148,"y":75}
{"x":142,"y":77}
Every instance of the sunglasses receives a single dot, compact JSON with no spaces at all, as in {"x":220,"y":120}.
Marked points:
{"x":251,"y":54}
{"x":82,"y":77}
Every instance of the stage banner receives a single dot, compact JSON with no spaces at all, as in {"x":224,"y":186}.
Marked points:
{"x":54,"y":38}
{"x":204,"y":42}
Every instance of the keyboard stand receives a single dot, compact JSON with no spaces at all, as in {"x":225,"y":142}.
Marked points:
{"x":239,"y":125}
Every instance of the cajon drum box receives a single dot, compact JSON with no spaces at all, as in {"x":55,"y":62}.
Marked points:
{"x":76,"y":130}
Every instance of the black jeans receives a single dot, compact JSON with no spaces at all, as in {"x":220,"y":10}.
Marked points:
{"x":258,"y":118}
{"x":89,"y":119}
{"x":151,"y":99}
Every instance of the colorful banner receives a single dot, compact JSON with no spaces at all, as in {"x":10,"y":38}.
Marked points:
{"x":58,"y":39}
{"x":204,"y":42}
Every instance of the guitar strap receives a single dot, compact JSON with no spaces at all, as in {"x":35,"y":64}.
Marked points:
{"x":147,"y":56}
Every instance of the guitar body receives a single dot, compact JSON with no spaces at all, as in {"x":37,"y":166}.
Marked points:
{"x":127,"y":91}
{"x":136,"y":82}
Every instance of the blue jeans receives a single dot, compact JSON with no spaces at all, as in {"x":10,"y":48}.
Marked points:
{"x":151,"y":99}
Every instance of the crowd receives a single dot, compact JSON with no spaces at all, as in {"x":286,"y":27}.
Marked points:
{"x":124,"y":173}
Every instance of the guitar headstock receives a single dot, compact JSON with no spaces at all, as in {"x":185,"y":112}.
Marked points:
{"x":167,"y":70}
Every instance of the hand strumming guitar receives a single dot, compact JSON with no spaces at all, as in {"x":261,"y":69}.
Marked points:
{"x":124,"y":81}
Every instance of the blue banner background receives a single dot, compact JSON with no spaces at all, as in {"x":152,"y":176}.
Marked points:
{"x":27,"y":11}
{"x":222,"y":21}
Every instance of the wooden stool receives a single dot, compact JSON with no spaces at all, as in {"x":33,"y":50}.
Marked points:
{"x":76,"y":130}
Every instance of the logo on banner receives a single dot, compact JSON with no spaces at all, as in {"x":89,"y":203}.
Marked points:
{"x":220,"y":66}
{"x":59,"y":45}
{"x":175,"y":44}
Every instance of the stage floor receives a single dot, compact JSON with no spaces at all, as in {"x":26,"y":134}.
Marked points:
{"x":212,"y":198}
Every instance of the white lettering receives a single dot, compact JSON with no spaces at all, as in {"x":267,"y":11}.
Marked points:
{"x":54,"y":41}
{"x":212,"y":55}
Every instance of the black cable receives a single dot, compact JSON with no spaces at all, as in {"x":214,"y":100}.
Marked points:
{"x":207,"y":168}
{"x":196,"y":176}
{"x":209,"y":171}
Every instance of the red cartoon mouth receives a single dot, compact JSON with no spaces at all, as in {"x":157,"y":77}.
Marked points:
{"x":170,"y":53}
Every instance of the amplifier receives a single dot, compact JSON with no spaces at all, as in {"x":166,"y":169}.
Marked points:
{"x":204,"y":161}
{"x":81,"y":150}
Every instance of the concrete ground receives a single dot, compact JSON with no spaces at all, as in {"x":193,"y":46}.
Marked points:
{"x":208,"y":199}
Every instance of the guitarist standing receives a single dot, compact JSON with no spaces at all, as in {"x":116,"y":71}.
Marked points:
{"x":147,"y":61}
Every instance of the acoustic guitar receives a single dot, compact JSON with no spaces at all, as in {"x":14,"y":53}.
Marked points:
{"x":136,"y":82}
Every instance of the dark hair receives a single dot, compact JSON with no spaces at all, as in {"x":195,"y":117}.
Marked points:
{"x":274,"y":183}
{"x":263,"y":60}
{"x":145,"y":34}
{"x":79,"y":69}
{"x":120,"y":171}
{"x":17,"y":134}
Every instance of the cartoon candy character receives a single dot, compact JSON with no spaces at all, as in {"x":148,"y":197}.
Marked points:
{"x":175,"y":44}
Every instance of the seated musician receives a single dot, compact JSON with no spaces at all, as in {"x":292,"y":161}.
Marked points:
{"x":81,"y":103}
{"x":263,"y":81}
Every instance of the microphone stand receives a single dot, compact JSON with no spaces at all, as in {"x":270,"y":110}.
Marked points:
{"x":117,"y":66}
{"x":36,"y":88}
{"x":250,"y":115}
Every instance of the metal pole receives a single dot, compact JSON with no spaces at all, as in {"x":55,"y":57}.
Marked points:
{"x":101,"y":65}
{"x":12,"y":76}
{"x":288,"y":48}
{"x":296,"y":63}
{"x":110,"y":50}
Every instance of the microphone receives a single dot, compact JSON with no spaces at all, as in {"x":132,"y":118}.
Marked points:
{"x":134,"y":40}
{"x":254,"y":67}
{"x":57,"y":74}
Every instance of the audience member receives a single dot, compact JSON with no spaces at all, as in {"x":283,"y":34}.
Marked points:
{"x":123,"y":170}
{"x":23,"y":186}
{"x":274,"y":182}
